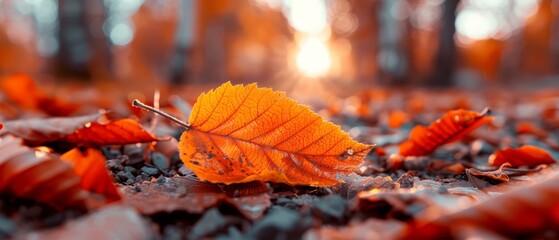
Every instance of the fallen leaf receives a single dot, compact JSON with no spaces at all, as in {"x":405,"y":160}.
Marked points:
{"x":89,"y":165}
{"x":39,"y":176}
{"x":498,"y":174}
{"x":452,"y":126}
{"x":79,"y":131}
{"x":112,"y":222}
{"x":526,"y":155}
{"x":526,"y":127}
{"x":529,"y":211}
{"x":38,"y":131}
{"x":372,"y":228}
{"x":397,"y":118}
{"x":243,"y":133}
{"x":120,"y":132}
{"x":22,"y":90}
{"x":193,"y":196}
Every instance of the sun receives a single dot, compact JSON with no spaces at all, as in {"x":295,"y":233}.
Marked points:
{"x":313,"y":58}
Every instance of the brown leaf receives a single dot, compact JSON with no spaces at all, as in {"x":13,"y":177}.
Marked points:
{"x":39,"y":176}
{"x":528,"y":211}
{"x":371,"y":228}
{"x":452,"y":126}
{"x":90,"y":167}
{"x":526,"y":155}
{"x":193,"y":196}
{"x":112,"y":222}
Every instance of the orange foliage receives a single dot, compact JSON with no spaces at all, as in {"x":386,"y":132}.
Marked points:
{"x":452,"y":126}
{"x":526,"y":155}
{"x":23,"y":91}
{"x":36,"y":175}
{"x":397,"y":119}
{"x":89,"y":165}
{"x":120,"y":132}
{"x":530,"y":128}
{"x":245,"y":133}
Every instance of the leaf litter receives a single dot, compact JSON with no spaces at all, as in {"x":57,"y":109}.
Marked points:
{"x":387,"y":193}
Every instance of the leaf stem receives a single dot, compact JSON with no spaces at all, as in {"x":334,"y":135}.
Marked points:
{"x":137,"y":103}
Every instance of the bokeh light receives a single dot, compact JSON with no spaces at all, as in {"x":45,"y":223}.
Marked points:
{"x":313,"y":58}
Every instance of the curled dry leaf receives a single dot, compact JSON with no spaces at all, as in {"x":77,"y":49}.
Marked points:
{"x":79,"y":131}
{"x":244,"y":133}
{"x":526,"y":155}
{"x":113,"y":222}
{"x":498,"y":174}
{"x":89,"y":165}
{"x":193,"y":196}
{"x":529,"y":211}
{"x":36,"y":175}
{"x":452,"y":126}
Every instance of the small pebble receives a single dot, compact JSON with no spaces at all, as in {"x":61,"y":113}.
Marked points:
{"x":131,"y":170}
{"x":129,"y":176}
{"x":121,"y":176}
{"x":151,"y":171}
{"x":115,"y":164}
{"x":7,"y":227}
{"x":160,"y":161}
{"x":184,"y":171}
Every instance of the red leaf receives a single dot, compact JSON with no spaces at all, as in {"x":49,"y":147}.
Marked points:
{"x":38,"y":131}
{"x":80,"y":131}
{"x":90,"y":167}
{"x":526,"y":155}
{"x":452,"y":126}
{"x":31,"y":174}
{"x":120,"y":132}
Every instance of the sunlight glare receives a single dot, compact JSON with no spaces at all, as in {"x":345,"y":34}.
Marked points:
{"x":476,"y":24}
{"x":308,"y":16}
{"x":313,"y":58}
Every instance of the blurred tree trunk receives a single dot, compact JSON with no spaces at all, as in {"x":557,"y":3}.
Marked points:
{"x":392,"y":54}
{"x":555,"y":37}
{"x":181,"y":61}
{"x":445,"y":59}
{"x":84,"y":51}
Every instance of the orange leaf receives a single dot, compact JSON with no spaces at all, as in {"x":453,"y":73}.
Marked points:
{"x":22,"y":90}
{"x":452,"y":126}
{"x":90,"y":167}
{"x":120,"y":132}
{"x":245,"y":133}
{"x":38,"y":131}
{"x":397,"y":119}
{"x":36,"y":175}
{"x":80,"y":131}
{"x":526,"y":155}
{"x":525,"y":127}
